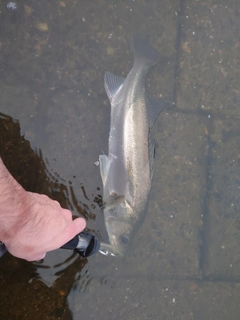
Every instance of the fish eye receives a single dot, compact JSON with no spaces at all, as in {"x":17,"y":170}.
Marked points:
{"x":124,"y":240}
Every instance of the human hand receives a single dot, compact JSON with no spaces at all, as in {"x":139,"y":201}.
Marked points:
{"x":32,"y":224}
{"x":44,"y":226}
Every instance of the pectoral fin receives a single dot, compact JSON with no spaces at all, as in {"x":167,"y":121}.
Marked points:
{"x":104,"y":167}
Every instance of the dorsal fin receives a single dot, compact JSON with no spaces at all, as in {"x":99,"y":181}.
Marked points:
{"x":152,"y":146}
{"x":154,"y":107}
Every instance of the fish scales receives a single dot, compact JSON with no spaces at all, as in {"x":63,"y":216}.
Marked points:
{"x":128,"y":169}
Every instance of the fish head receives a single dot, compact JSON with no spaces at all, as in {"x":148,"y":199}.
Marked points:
{"x":119,"y":225}
{"x":119,"y":233}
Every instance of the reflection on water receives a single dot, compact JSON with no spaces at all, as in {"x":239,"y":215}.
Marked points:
{"x":48,"y":272}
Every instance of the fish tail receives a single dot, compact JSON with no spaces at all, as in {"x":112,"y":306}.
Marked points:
{"x":144,"y":52}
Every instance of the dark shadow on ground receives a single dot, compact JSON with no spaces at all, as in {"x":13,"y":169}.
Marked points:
{"x":24,"y":296}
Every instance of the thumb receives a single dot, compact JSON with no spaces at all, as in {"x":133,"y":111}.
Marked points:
{"x":79,"y":224}
{"x":74,"y":227}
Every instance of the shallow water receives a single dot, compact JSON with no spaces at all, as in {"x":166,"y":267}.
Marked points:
{"x":54,"y":122}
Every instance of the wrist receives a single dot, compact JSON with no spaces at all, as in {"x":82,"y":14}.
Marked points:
{"x":12,"y":200}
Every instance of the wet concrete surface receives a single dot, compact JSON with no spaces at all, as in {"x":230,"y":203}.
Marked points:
{"x":184,"y":260}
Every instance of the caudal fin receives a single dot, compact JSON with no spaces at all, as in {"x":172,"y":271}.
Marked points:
{"x":144,"y":52}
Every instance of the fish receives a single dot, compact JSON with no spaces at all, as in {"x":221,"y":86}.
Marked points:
{"x":127,"y":170}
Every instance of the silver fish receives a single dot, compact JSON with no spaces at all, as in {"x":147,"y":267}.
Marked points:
{"x":127,"y":171}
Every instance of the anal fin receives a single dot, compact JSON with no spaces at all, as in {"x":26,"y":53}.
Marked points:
{"x":112,"y":84}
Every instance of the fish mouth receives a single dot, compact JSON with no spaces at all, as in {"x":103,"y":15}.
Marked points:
{"x":107,"y":250}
